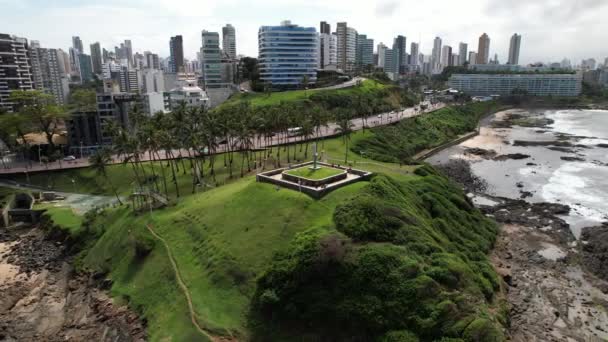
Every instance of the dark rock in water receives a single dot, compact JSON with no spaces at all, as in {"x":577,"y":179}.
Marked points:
{"x":460,"y":171}
{"x":487,"y":154}
{"x":602,"y":145}
{"x":561,"y":149}
{"x":525,"y":194}
{"x":572,"y":158}
{"x":530,"y":164}
{"x":541,"y":143}
{"x":537,"y":215}
{"x":594,"y":242}
{"x":515,"y":156}
{"x":519,"y":184}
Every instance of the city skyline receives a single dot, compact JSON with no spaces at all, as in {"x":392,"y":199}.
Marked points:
{"x":419,"y":23}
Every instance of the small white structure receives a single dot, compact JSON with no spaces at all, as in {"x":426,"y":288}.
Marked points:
{"x":186,"y":91}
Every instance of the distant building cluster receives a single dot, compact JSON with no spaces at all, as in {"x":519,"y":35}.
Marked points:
{"x":289,"y":56}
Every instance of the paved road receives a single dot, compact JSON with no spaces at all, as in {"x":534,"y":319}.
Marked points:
{"x":371,"y":121}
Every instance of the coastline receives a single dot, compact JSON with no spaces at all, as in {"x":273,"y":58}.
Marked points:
{"x":552,"y":279}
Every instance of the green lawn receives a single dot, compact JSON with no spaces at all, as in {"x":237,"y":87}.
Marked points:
{"x":259,"y":99}
{"x":320,"y":173}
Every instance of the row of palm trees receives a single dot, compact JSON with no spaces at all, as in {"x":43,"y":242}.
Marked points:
{"x":192,"y":140}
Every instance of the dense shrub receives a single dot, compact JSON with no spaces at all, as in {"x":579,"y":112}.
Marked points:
{"x":403,"y":140}
{"x":410,"y":266}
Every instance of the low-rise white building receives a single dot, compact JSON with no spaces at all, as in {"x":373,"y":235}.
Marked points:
{"x":504,"y":84}
{"x":186,"y":91}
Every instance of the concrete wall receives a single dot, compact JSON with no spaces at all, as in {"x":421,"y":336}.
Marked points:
{"x":219,"y":95}
{"x":265,"y":177}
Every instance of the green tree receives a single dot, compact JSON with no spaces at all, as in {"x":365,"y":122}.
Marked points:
{"x":41,"y":110}
{"x":344,"y":129}
{"x":83,"y":100}
{"x":99,"y":162}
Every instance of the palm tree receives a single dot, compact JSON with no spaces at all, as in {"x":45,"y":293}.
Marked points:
{"x":344,"y":128}
{"x":99,"y":161}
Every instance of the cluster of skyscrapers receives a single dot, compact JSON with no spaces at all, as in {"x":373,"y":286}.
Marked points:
{"x":288,"y":53}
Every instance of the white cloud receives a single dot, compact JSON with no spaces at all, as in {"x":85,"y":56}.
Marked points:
{"x":551,"y":29}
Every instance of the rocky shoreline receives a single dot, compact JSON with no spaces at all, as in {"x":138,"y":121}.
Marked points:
{"x":44,"y":299}
{"x":556,"y":285}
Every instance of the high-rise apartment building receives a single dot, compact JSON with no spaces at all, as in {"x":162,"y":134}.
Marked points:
{"x":229,"y":41}
{"x":347,"y":47}
{"x":446,"y":56}
{"x":399,"y":54}
{"x":129,"y":80}
{"x":96,"y":58}
{"x":388,"y":60}
{"x":287,"y":54}
{"x":325,"y":28}
{"x":483,"y":49}
{"x":153,"y":81}
{"x":365,"y":51}
{"x":77,"y":44}
{"x":128,"y":51}
{"x":64,"y":62}
{"x":151,"y":60}
{"x":328,"y":44}
{"x":414,"y":54}
{"x":176,"y":58}
{"x":381,"y":55}
{"x":472,"y":58}
{"x":85,"y":68}
{"x":462,"y":53}
{"x":15,"y":71}
{"x":514,"y":49}
{"x":436,"y":56}
{"x":48,"y":75}
{"x":211,"y":60}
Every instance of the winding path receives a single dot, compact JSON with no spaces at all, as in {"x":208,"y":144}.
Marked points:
{"x":185,"y":290}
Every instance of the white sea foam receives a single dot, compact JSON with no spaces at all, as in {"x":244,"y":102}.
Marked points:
{"x":593,"y":141}
{"x":574,"y":185}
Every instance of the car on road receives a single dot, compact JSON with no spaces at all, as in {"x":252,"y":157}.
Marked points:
{"x":69,"y":158}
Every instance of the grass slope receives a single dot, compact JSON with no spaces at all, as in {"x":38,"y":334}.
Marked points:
{"x":402,"y":141}
{"x":222,"y":240}
{"x":367,"y":86}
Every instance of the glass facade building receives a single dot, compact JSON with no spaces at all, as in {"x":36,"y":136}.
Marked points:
{"x":211,"y":60}
{"x":287,"y":54}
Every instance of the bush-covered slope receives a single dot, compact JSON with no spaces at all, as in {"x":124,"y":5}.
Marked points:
{"x":401,"y":255}
{"x":402,"y":141}
{"x":407,"y":258}
{"x":367,"y":98}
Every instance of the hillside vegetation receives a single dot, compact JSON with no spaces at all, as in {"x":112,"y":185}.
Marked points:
{"x":374,"y":259}
{"x":401,"y":257}
{"x":400,"y":142}
{"x":404,"y":258}
{"x":368,"y":97}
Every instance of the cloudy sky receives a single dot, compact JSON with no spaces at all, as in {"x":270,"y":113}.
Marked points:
{"x":551,"y":29}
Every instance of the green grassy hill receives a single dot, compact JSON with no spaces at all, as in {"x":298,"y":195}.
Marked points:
{"x":399,"y":258}
{"x":239,"y":242}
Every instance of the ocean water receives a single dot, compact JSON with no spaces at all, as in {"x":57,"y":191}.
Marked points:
{"x":583,"y":185}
